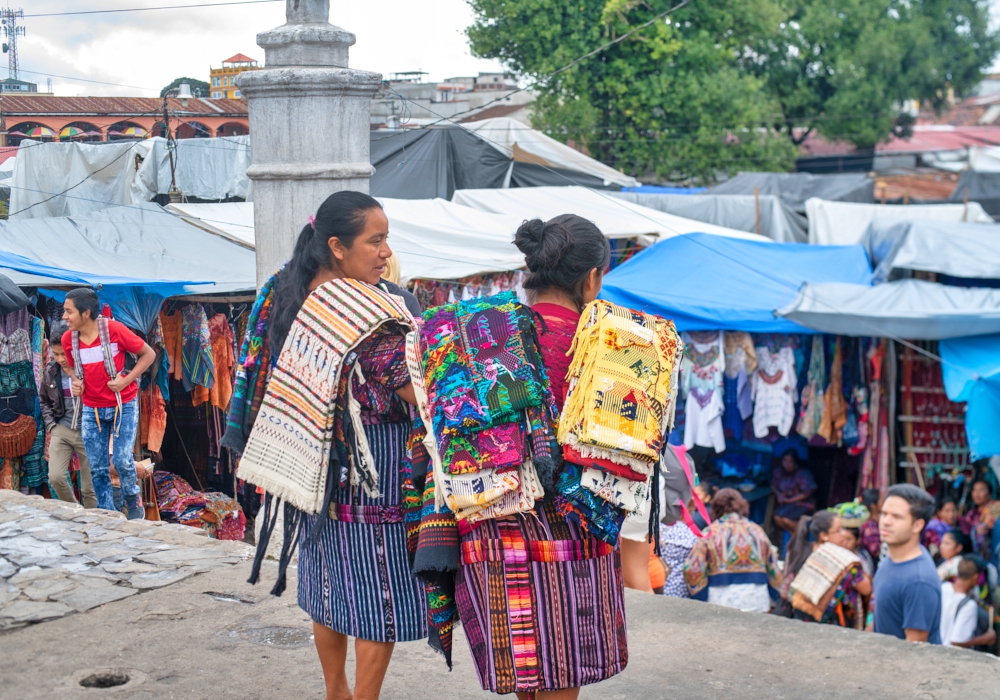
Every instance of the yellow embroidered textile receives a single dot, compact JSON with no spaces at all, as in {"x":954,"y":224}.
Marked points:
{"x":622,"y":382}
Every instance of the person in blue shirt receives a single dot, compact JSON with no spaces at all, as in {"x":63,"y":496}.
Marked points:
{"x":907,"y":588}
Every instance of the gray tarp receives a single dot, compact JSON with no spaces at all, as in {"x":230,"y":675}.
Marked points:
{"x":911,"y":309}
{"x":795,"y":188}
{"x":979,"y":187}
{"x":141,"y":241}
{"x":960,"y":250}
{"x":777,"y":221}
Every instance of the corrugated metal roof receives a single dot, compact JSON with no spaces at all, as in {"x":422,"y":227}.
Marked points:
{"x":24,"y":105}
{"x":942,"y":138}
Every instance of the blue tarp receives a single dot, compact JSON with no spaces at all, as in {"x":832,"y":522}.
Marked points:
{"x":656,"y":189}
{"x":706,"y":282}
{"x":971,"y":369}
{"x":20,"y":263}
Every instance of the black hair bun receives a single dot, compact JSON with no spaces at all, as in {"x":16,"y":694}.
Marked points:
{"x":544,"y":245}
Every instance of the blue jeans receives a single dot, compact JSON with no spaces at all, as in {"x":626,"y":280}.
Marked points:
{"x":98,"y":429}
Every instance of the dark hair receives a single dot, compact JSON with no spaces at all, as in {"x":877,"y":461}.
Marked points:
{"x":56,"y":333}
{"x":945,"y":501}
{"x":561,"y":252}
{"x":984,"y":482}
{"x":869,"y":497}
{"x":961,"y":539}
{"x":727,"y":501}
{"x":85,"y":299}
{"x":343,"y":215}
{"x":793,"y":453}
{"x":921,"y":503}
{"x":806,"y":534}
{"x":968,"y":567}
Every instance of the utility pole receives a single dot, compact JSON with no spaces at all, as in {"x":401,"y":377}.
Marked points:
{"x":176,"y":196}
{"x":8,"y":20}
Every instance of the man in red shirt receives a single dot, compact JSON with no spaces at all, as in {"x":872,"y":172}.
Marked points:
{"x":108,"y":432}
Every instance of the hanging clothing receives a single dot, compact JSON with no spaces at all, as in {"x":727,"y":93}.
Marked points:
{"x":813,"y":401}
{"x":702,"y":371}
{"x":835,"y":415}
{"x":197,"y":363}
{"x":221,"y":338}
{"x":172,"y":327}
{"x":774,"y":390}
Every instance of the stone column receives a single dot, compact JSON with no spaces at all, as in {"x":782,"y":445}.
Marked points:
{"x":309,"y":124}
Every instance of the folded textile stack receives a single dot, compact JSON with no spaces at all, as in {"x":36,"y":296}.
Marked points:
{"x":216,"y":513}
{"x":619,"y":408}
{"x":488,"y":406}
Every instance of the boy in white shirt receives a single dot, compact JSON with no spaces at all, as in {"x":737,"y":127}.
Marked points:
{"x":958,"y":618}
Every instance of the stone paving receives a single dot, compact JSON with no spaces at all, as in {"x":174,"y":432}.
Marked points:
{"x":57,"y":558}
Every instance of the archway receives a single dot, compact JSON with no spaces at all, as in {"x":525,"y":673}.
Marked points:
{"x":193,"y":130}
{"x":126,"y":131}
{"x":30,"y":130}
{"x":80,"y":131}
{"x":233,"y":129}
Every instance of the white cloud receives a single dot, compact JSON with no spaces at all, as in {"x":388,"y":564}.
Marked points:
{"x":150,"y":49}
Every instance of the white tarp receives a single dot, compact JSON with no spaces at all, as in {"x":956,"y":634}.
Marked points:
{"x":960,"y":250}
{"x":736,"y":211}
{"x":615,"y":217}
{"x":519,"y":141}
{"x":64,"y":179}
{"x":232,"y":220}
{"x":984,"y":159}
{"x":844,"y":223}
{"x":910,"y":309}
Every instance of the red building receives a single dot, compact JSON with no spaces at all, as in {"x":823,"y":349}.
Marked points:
{"x":50,"y":118}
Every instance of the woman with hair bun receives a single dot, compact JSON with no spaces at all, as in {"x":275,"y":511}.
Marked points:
{"x":544,"y":625}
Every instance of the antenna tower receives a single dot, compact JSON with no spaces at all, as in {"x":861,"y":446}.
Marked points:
{"x":8,"y":20}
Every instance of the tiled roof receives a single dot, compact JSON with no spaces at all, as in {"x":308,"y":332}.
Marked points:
{"x":7,"y":152}
{"x":493,"y":112}
{"x":240,"y":58}
{"x":25,"y":105}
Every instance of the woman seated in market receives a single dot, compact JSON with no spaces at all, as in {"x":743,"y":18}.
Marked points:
{"x":733,"y":564}
{"x":793,"y":487}
{"x":979,"y":521}
{"x":942,"y":523}
{"x":830,"y":585}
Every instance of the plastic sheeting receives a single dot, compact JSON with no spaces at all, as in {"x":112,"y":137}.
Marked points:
{"x":706,"y":282}
{"x":735,"y":211}
{"x":139,"y":245}
{"x":843,"y":223}
{"x":615,"y":217}
{"x":523,"y":144}
{"x":971,"y":369}
{"x":909,"y":308}
{"x":231,"y":220}
{"x":982,"y":187}
{"x":795,"y":188}
{"x":67,"y":179}
{"x":960,"y":250}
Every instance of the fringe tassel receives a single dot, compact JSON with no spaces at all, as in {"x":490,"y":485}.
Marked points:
{"x":266,"y":529}
{"x":654,"y":508}
{"x":364,"y":471}
{"x":293,"y":522}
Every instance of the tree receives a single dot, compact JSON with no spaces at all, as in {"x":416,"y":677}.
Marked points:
{"x":670,"y":100}
{"x":844,"y":68}
{"x":199,"y":88}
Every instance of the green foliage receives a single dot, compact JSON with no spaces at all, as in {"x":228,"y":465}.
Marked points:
{"x":199,"y":88}
{"x":718,"y":86}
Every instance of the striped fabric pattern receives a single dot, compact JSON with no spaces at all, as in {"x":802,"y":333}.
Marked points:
{"x":541,"y":625}
{"x":288,"y":451}
{"x":355,"y":579}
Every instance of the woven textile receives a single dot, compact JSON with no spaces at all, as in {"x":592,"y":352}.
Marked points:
{"x":196,"y":353}
{"x":822,"y":570}
{"x":253,"y":369}
{"x":288,"y":451}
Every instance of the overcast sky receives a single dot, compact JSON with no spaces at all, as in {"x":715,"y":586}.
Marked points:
{"x":150,"y":49}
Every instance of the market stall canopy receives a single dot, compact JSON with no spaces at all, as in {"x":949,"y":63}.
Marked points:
{"x":735,"y":211}
{"x":433,"y":238}
{"x":795,"y":188}
{"x":907,"y":308}
{"x":971,"y":369}
{"x":845,"y":223}
{"x":128,"y":246}
{"x":615,"y":217}
{"x":982,"y":187}
{"x":960,"y":250}
{"x":490,"y":154}
{"x":706,"y":282}
{"x":72,"y":178}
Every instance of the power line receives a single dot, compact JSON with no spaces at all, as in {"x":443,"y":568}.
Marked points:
{"x":86,"y":80}
{"x":146,"y":9}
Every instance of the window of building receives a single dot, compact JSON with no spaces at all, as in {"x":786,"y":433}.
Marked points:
{"x":236,"y":94}
{"x":216,"y":95}
{"x":215,"y":81}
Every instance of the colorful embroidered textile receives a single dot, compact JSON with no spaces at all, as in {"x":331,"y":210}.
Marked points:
{"x":821,"y":571}
{"x":196,"y":352}
{"x":774,"y":392}
{"x":734,"y":551}
{"x":835,"y":415}
{"x":813,"y":400}
{"x":222,"y":362}
{"x":557,"y":328}
{"x":252,"y":372}
{"x":172,"y":326}
{"x":596,"y":516}
{"x":289,"y":448}
{"x":216,"y":513}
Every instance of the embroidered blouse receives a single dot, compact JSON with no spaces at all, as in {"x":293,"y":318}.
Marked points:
{"x":382,"y":360}
{"x":774,"y":391}
{"x":734,"y":551}
{"x":555,"y":336}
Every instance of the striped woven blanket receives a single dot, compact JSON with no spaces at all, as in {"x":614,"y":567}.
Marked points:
{"x":288,"y":451}
{"x":822,"y":570}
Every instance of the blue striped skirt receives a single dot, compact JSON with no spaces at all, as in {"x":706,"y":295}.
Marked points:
{"x":355,"y":579}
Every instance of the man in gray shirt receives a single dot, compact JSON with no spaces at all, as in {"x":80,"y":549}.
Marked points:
{"x":56,"y":399}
